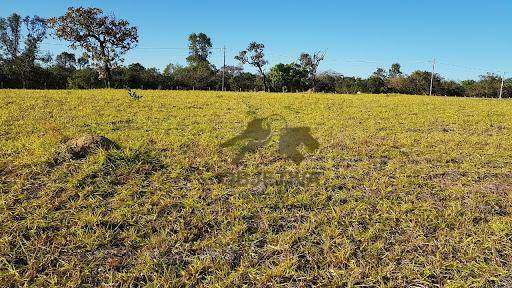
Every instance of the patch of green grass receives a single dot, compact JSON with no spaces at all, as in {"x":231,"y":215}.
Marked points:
{"x":410,"y":191}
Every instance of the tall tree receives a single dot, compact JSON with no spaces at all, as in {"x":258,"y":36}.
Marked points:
{"x":104,"y":37}
{"x":199,"y":46}
{"x":376,"y":83}
{"x":395,"y":71}
{"x":256,"y":59}
{"x":10,"y":36}
{"x":380,"y":73}
{"x":311,"y":63}
{"x":19,"y":43}
{"x":66,"y":60}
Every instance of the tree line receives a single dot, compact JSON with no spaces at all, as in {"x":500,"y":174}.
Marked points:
{"x":105,"y":39}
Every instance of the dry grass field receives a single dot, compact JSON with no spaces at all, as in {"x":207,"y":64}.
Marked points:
{"x":402,"y":191}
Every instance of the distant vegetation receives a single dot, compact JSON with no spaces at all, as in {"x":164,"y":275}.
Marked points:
{"x":105,"y":39}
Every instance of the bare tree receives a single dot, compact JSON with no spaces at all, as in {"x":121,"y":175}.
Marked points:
{"x":256,"y":59}
{"x":311,"y":63}
{"x":104,"y":37}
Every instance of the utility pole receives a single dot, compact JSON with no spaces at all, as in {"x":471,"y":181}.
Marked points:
{"x":432,"y":77}
{"x":224,"y":69}
{"x":501,"y":88}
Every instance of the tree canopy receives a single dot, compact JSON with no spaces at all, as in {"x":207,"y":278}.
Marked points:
{"x":104,"y":37}
{"x":255,"y":56}
{"x":200,"y":46}
{"x":19,"y":45}
{"x":310,"y":63}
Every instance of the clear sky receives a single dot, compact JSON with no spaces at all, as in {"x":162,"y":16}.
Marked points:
{"x":466,"y":37}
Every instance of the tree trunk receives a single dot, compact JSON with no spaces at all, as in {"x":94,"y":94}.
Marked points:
{"x":108,"y":71}
{"x":106,"y":63}
{"x":23,"y":83}
{"x":264,"y":78}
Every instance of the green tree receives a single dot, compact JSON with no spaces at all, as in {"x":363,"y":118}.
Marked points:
{"x":399,"y":84}
{"x":380,"y":73}
{"x":19,"y":45}
{"x":199,"y":46}
{"x":135,"y":75}
{"x":376,"y":85}
{"x":419,"y":83}
{"x":487,"y":86}
{"x":10,"y":36}
{"x":310,"y":63}
{"x":229,"y":73}
{"x":244,"y":81}
{"x":66,"y":60}
{"x":451,"y":88}
{"x":289,"y":77}
{"x":104,"y":37}
{"x":395,"y":71}
{"x":198,"y":76}
{"x":86,"y":78}
{"x":326,"y":82}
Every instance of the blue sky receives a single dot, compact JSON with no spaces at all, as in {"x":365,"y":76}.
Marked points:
{"x":467,"y":38}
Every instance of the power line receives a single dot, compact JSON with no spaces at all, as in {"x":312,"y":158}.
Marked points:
{"x":465,"y":67}
{"x":283,"y":57}
{"x":169,"y":48}
{"x":140,"y":48}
